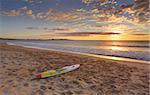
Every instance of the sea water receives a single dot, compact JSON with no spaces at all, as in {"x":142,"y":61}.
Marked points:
{"x":125,"y":49}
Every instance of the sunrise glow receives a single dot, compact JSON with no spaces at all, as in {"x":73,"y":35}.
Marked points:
{"x":82,"y":20}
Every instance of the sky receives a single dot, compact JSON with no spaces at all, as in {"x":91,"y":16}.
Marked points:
{"x":75,"y":19}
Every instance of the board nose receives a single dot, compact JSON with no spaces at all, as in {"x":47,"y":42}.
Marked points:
{"x":78,"y":65}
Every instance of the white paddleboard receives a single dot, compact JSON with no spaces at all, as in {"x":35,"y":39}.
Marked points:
{"x":50,"y":73}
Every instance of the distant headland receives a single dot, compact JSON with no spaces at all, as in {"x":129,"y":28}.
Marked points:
{"x":31,"y":39}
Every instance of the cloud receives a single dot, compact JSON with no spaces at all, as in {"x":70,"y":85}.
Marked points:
{"x":76,"y":17}
{"x":89,"y":33}
{"x":11,"y":13}
{"x":103,"y":10}
{"x":23,"y":11}
{"x":60,"y":29}
{"x":37,"y":28}
{"x":33,"y":1}
{"x":141,"y":34}
{"x":104,"y":14}
{"x":141,"y":9}
{"x":96,"y":1}
{"x":29,"y":13}
{"x":47,"y":29}
{"x":79,"y":34}
{"x":24,"y":8}
{"x":138,"y":10}
{"x":55,"y":15}
{"x":87,"y":1}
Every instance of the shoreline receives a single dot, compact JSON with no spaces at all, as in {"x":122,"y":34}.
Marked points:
{"x":92,"y":55}
{"x":96,"y":76}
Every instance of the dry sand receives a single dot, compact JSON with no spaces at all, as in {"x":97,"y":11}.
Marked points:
{"x":96,"y":76}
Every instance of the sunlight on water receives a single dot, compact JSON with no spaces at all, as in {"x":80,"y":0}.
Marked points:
{"x":116,"y":48}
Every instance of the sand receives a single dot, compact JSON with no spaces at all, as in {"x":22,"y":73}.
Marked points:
{"x":96,"y":76}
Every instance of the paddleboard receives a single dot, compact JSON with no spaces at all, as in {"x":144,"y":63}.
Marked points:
{"x":50,"y":73}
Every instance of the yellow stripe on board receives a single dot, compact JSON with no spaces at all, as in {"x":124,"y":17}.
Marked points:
{"x":45,"y":74}
{"x":62,"y":71}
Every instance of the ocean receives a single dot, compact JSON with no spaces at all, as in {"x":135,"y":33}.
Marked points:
{"x":138,"y":50}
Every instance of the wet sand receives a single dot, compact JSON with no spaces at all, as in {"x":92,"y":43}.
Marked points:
{"x":96,"y":76}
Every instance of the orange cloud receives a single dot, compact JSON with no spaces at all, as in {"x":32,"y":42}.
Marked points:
{"x":29,"y":13}
{"x":19,"y":12}
{"x":11,"y":13}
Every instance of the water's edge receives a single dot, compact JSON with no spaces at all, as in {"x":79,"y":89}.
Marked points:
{"x":93,"y":55}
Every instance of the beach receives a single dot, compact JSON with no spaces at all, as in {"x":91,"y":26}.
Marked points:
{"x":96,"y":76}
